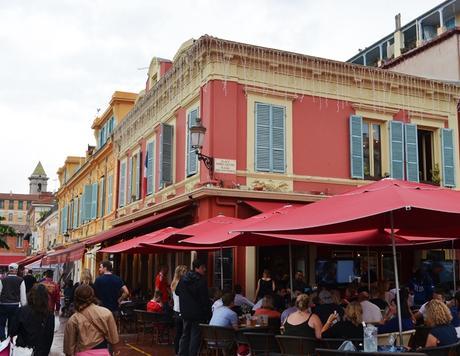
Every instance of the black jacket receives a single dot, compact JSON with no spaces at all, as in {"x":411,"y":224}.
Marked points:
{"x":194,"y":301}
{"x":33,"y":330}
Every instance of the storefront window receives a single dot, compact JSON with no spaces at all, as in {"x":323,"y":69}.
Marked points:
{"x":227,"y":267}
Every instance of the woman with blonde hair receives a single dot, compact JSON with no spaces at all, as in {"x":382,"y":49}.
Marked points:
{"x":349,"y":328}
{"x":178,"y":273}
{"x":438,"y":318}
{"x":302,"y":322}
{"x":86,"y":277}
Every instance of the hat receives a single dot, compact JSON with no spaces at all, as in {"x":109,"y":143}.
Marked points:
{"x":325,"y":297}
{"x":13,"y":267}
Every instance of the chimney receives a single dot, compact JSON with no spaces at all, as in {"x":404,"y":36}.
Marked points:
{"x":398,"y":37}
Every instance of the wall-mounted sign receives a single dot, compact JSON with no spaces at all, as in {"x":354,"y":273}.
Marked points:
{"x":222,"y":165}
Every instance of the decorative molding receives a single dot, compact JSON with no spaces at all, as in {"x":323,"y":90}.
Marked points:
{"x":423,"y":115}
{"x":270,"y":92}
{"x":375,"y":108}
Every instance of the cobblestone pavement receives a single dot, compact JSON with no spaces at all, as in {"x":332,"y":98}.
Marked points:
{"x":129,"y":346}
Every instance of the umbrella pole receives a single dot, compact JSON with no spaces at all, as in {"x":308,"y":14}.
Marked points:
{"x":290,"y":269}
{"x":395,"y":262}
{"x":221,"y":268}
{"x":453,"y":266}
{"x":368,"y":270}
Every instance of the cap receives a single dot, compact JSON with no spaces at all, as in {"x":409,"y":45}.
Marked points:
{"x":13,"y":266}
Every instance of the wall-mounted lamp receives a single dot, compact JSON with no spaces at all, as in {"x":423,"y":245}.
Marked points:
{"x":197,"y":133}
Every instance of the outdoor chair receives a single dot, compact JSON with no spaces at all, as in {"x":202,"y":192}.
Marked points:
{"x":448,"y":350}
{"x":126,"y":317}
{"x":334,"y":344}
{"x":296,"y":346}
{"x":262,"y":343}
{"x":217,"y":340}
{"x":152,"y":322}
{"x":382,"y":339}
{"x":274,"y":325}
{"x":326,"y":352}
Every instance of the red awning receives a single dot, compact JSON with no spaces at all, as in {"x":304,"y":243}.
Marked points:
{"x":134,"y":245}
{"x":30,"y":259}
{"x":132,"y":227}
{"x":72,"y":253}
{"x":5,"y":260}
{"x":265,"y":206}
{"x":208,"y":225}
{"x":156,"y":248}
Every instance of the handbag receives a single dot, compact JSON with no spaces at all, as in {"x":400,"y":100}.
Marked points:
{"x":20,"y":351}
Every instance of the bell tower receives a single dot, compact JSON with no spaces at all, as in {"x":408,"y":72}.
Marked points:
{"x":38,"y":180}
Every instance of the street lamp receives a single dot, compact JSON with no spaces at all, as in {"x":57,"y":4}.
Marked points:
{"x":197,"y":133}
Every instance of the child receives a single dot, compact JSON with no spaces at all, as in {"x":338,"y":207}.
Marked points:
{"x":155,"y":305}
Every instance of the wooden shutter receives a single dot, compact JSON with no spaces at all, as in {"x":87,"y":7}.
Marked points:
{"x":75,"y":213}
{"x":94,"y":201}
{"x":192,"y":158}
{"x":278,"y":161}
{"x":129,"y":170}
{"x":122,"y":185}
{"x":166,"y":154}
{"x":150,"y":169}
{"x":448,"y":165}
{"x":262,"y":127}
{"x":356,"y":147}
{"x":88,"y":201}
{"x":109,"y":194}
{"x":81,"y":208}
{"x":411,"y":152}
{"x":397,"y":149}
{"x":65,"y":218}
{"x":102,"y":197}
{"x":138,"y":175}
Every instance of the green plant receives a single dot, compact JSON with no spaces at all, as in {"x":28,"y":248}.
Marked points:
{"x":435,"y":174}
{"x":5,"y":231}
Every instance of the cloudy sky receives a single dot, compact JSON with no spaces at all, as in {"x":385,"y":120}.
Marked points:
{"x":61,"y":60}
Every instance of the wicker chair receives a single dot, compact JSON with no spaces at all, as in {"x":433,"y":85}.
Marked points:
{"x":296,"y":346}
{"x":262,"y":344}
{"x":217,"y":339}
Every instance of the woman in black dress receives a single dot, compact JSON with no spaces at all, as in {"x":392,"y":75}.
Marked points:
{"x":34,"y":323}
{"x":349,"y":328}
{"x":265,"y":285}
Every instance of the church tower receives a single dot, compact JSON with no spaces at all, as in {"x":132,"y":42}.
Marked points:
{"x":38,"y":180}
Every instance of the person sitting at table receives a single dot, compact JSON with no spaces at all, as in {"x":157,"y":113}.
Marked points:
{"x":326,"y":306}
{"x":371,"y":312}
{"x":390,"y":322}
{"x":240,"y":299}
{"x":268,"y":308}
{"x":302,"y":322}
{"x":155,"y":305}
{"x":438,"y":294}
{"x":216,"y":299}
{"x":348,"y":327}
{"x":224,"y":315}
{"x":378,"y":297}
{"x":292,"y":308}
{"x":438,"y":318}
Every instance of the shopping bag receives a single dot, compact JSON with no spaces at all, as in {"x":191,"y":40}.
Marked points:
{"x":5,"y":347}
{"x":20,"y":351}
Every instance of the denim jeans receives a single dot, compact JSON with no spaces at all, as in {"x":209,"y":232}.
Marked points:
{"x":191,"y":338}
{"x":7,"y":312}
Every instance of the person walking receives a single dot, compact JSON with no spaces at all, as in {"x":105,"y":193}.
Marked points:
{"x":54,"y":291}
{"x":33,"y":324}
{"x":180,"y":271}
{"x":162,"y":285}
{"x":109,"y":288}
{"x":29,"y":280}
{"x":12,"y":295}
{"x":265,"y":285}
{"x":195,"y":307}
{"x":91,"y":330}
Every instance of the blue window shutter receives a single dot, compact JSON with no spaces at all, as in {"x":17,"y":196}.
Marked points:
{"x":65,"y":218}
{"x":88,"y":197}
{"x":150,"y":168}
{"x":75,"y":212}
{"x":356,"y":147}
{"x":412,"y":172}
{"x":81,"y":208}
{"x":122,"y":185}
{"x":448,"y":165}
{"x":94,"y":201}
{"x":129,"y":170}
{"x":397,"y":149}
{"x":262,"y":149}
{"x":109,"y":194}
{"x":278,"y":160}
{"x":166,"y":154}
{"x":61,"y":220}
{"x":192,"y":158}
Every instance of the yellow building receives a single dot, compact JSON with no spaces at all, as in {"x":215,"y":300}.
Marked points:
{"x":86,"y":199}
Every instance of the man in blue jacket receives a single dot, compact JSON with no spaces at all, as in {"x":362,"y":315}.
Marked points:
{"x":195,"y":307}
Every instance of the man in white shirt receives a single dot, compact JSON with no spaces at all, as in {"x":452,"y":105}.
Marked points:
{"x":224,"y":316}
{"x":371,"y":312}
{"x":240,"y":299}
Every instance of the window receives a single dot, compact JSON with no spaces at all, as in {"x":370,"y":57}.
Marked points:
{"x":94,"y":201}
{"x":19,"y":217}
{"x":10,"y":217}
{"x":270,"y":138}
{"x":20,"y":205}
{"x":1,"y":203}
{"x":19,"y":240}
{"x":192,"y":157}
{"x":134,"y":177}
{"x":76,"y":209}
{"x":122,"y":184}
{"x":149,"y":166}
{"x":28,"y":205}
{"x":425,"y":155}
{"x":11,"y":204}
{"x":102,"y":197}
{"x":109,"y":194}
{"x":372,"y":150}
{"x":166,"y":155}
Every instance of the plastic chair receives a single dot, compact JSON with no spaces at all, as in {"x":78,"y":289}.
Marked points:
{"x":326,"y":352}
{"x":382,"y":339}
{"x":217,"y":338}
{"x":448,"y":350}
{"x":294,"y":345}
{"x":262,"y":343}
